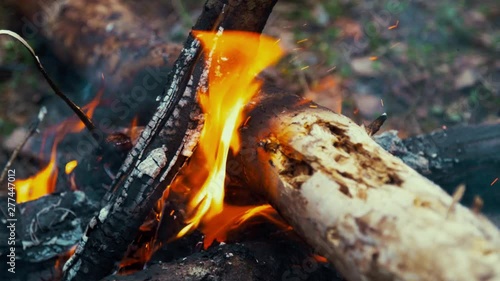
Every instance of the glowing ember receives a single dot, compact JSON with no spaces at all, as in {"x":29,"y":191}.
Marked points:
{"x":234,"y":59}
{"x":320,"y":259}
{"x":61,"y":259}
{"x":494,"y":181}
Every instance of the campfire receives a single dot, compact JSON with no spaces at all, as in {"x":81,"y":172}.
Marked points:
{"x":233,"y":178}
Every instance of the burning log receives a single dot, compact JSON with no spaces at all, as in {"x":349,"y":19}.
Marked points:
{"x":372,"y":216}
{"x":151,"y":165}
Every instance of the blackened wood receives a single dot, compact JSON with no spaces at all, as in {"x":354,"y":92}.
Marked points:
{"x":455,"y":153}
{"x":48,"y":226}
{"x":109,"y":234}
{"x":152,"y":164}
{"x":271,"y":256}
{"x":269,"y":260}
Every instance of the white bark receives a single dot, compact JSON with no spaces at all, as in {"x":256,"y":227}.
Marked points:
{"x":371,"y":215}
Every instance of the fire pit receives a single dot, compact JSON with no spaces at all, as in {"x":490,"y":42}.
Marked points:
{"x":231,"y":178}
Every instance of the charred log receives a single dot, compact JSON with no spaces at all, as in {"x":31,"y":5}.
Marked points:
{"x":152,"y":164}
{"x":267,"y":260}
{"x":49,"y":226}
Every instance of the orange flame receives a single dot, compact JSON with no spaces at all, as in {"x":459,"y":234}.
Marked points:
{"x":44,"y":182}
{"x":233,"y":217}
{"x":89,"y":110}
{"x":320,"y":259}
{"x":40,"y":184}
{"x":133,"y":130}
{"x":70,"y":166}
{"x":234,"y":59}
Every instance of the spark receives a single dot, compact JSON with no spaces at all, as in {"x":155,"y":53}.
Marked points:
{"x":394,"y":26}
{"x":313,"y":106}
{"x":331,"y":69}
{"x":494,"y":181}
{"x":302,"y":41}
{"x":395,"y":44}
{"x":246,"y":121}
{"x":305,"y":67}
{"x":320,"y":259}
{"x":373,"y":58}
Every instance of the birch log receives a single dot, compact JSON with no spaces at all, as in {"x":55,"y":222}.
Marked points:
{"x":371,"y":215}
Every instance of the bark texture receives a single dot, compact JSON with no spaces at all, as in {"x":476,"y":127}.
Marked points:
{"x":154,"y":161}
{"x":371,"y":215}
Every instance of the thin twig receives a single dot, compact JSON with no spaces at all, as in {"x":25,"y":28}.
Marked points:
{"x":31,"y":132}
{"x":78,"y":111}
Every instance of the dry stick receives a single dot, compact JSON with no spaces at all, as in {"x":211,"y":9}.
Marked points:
{"x":31,"y":132}
{"x":76,"y":109}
